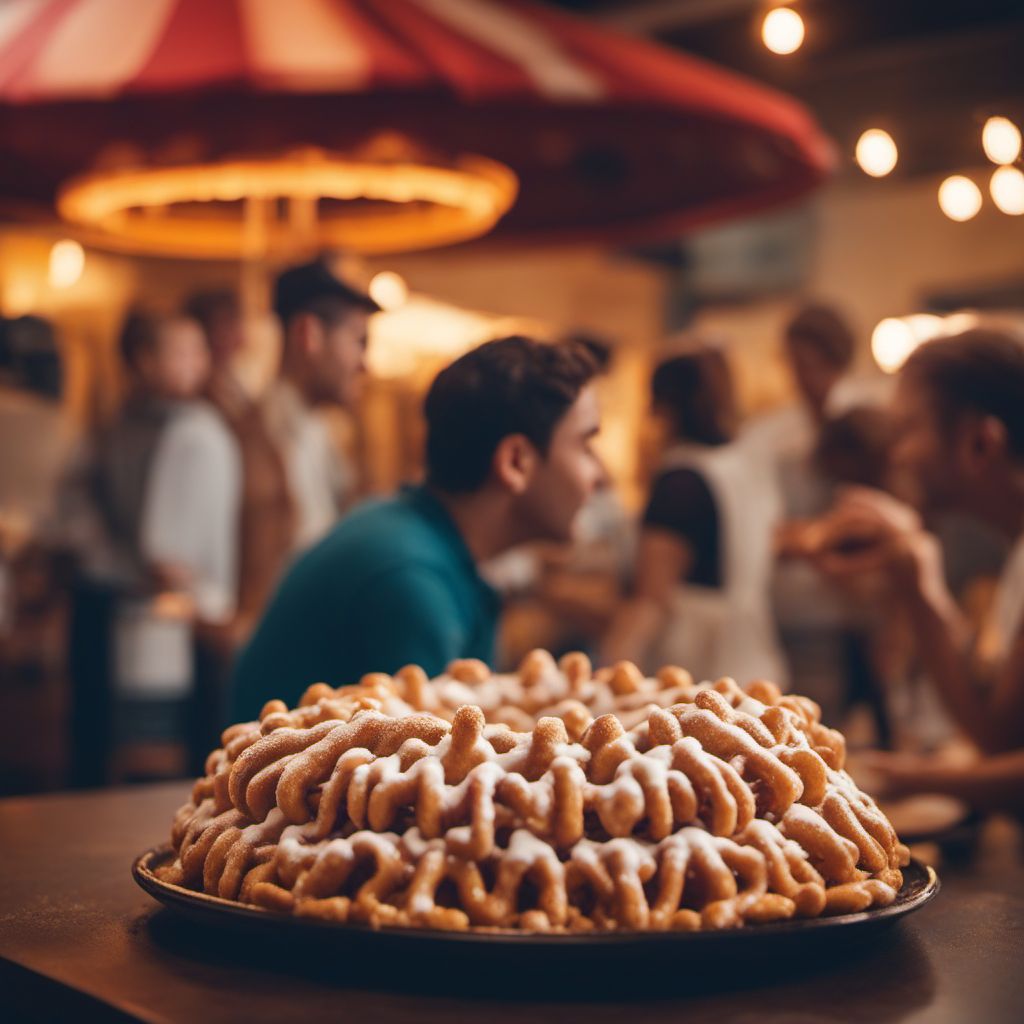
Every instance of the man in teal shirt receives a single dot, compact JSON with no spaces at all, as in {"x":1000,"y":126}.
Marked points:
{"x":509,"y":459}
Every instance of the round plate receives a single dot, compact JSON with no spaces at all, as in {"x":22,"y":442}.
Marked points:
{"x":925,"y":817}
{"x":779,"y":939}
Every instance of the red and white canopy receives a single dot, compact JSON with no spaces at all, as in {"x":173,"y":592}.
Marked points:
{"x":610,"y":135}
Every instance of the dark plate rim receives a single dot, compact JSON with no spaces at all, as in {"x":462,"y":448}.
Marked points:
{"x":922,"y":889}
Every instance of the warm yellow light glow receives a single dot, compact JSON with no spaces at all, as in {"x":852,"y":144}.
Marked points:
{"x":67,"y":261}
{"x":388,"y":290}
{"x":402,"y":204}
{"x":782,"y":30}
{"x":959,"y":198}
{"x":425,"y":332}
{"x":1007,"y":189}
{"x":895,"y":338}
{"x":925,"y":326}
{"x":954,"y":323}
{"x":1000,"y":139}
{"x":892,"y":341}
{"x":876,"y":152}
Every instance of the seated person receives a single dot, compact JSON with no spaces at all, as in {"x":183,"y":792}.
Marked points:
{"x":508,"y":460}
{"x":959,"y":412}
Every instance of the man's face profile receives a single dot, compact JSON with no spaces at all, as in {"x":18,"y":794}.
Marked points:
{"x":923,"y":451}
{"x":568,"y":474}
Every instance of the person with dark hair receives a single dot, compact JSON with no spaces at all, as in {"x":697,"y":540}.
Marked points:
{"x":853,"y":448}
{"x":820,"y":346}
{"x":324,"y":324}
{"x":959,"y":410}
{"x":700,"y":592}
{"x":819,"y":350}
{"x":509,"y":459}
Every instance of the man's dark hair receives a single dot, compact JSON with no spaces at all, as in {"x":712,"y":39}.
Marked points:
{"x":980,"y":371}
{"x":315,"y":288}
{"x":853,"y":448}
{"x":601,"y":349}
{"x":508,"y":386}
{"x":825,"y":330}
{"x":138,"y":336}
{"x":205,"y":306}
{"x":694,"y":390}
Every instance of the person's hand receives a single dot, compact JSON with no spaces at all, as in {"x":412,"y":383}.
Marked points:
{"x":888,"y":775}
{"x":869,"y":531}
{"x":170,"y":576}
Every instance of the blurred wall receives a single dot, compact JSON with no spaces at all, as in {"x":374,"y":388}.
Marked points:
{"x":880,"y":246}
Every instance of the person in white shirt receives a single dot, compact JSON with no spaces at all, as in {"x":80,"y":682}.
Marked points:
{"x":324,"y":324}
{"x":959,"y":408}
{"x":161,"y":483}
{"x":152,"y":508}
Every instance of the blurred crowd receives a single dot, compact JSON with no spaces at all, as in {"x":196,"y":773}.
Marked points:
{"x":210,"y":549}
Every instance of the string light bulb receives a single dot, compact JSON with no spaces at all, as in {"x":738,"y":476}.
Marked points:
{"x":1000,"y":138}
{"x":876,"y":152}
{"x":782,"y":30}
{"x":959,"y":198}
{"x":1007,"y":190}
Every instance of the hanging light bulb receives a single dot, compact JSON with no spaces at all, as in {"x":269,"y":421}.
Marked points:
{"x":1000,"y":139}
{"x":876,"y":152}
{"x":959,"y":198}
{"x":1007,"y":189}
{"x":782,"y":30}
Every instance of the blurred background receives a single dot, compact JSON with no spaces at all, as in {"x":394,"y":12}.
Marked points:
{"x":635,"y":174}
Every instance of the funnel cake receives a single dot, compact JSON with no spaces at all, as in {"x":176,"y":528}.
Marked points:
{"x":554,"y":799}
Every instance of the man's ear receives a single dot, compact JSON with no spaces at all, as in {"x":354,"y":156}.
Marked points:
{"x":514,"y":462}
{"x":307,"y":334}
{"x":988,"y":438}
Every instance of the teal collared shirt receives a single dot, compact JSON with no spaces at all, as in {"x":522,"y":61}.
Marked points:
{"x":393,"y":584}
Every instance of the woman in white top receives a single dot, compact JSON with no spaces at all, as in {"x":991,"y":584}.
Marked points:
{"x":700,"y":593}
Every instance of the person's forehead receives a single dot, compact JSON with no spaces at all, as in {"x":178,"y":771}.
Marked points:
{"x":912,"y":401}
{"x":353,"y":321}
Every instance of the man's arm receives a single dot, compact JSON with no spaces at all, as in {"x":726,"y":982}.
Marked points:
{"x":872,"y":532}
{"x":989,"y":784}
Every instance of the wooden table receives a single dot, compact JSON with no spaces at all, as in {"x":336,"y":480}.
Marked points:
{"x":78,"y":938}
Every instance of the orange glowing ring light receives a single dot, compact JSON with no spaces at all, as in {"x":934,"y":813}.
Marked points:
{"x":229,"y":209}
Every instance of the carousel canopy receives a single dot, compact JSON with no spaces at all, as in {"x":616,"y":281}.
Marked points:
{"x":609,"y":136}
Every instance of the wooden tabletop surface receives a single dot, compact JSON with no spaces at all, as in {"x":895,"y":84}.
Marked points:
{"x":78,"y":937}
